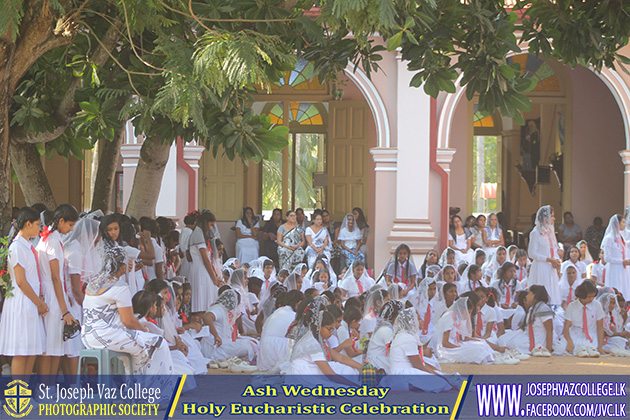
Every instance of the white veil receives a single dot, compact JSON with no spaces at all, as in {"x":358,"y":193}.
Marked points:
{"x":407,"y":322}
{"x":612,"y":235}
{"x":349,"y":235}
{"x":237,"y":282}
{"x":81,"y":248}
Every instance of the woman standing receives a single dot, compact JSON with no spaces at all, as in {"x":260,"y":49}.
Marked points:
{"x":270,"y":236}
{"x":204,"y":279}
{"x":617,"y":260}
{"x":359,"y":218}
{"x":290,"y":239}
{"x":317,"y":239}
{"x":247,"y":247}
{"x":543,"y":249}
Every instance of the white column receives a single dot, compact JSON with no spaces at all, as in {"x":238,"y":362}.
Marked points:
{"x":625,"y":158}
{"x":130,"y":156}
{"x":444,"y":158}
{"x":386,"y":162}
{"x":411,"y":224}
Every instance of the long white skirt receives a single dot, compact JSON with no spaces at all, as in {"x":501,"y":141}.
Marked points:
{"x":74,"y":345}
{"x":53,"y":323}
{"x":247,"y":250}
{"x":204,"y":291}
{"x":515,"y":340}
{"x":544,"y":274}
{"x":475,"y":351}
{"x":243,"y":347}
{"x":617,"y":276}
{"x":16,"y":340}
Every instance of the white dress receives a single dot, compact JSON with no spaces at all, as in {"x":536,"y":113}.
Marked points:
{"x":204,"y":291}
{"x":19,"y":310}
{"x":318,"y":240}
{"x":460,"y":242}
{"x":616,"y":275}
{"x":50,"y":249}
{"x":247,"y":249}
{"x":103,"y":330}
{"x":575,"y":314}
{"x":428,"y":310}
{"x":403,"y":346}
{"x":470,"y":351}
{"x":74,"y":345}
{"x":274,"y":345}
{"x":184,"y":239}
{"x":354,"y":287}
{"x":232,"y":345}
{"x":541,"y":271}
{"x":149,"y":270}
{"x":517,"y":339}
{"x":377,"y":354}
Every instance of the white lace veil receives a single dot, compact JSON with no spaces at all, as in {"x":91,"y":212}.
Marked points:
{"x":613,"y":234}
{"x":237,"y":281}
{"x":407,"y":322}
{"x":305,"y":332}
{"x":347,"y":235}
{"x":269,"y":305}
{"x":370,"y":307}
{"x":81,"y":248}
{"x":509,"y":250}
{"x":113,"y":258}
{"x":230,"y":263}
{"x":228,"y":300}
{"x":440,"y":275}
{"x":291,"y":282}
{"x":588,"y":258}
{"x":444,"y":256}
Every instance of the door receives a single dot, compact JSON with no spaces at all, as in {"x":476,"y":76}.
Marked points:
{"x":348,"y":154}
{"x":221,"y":186}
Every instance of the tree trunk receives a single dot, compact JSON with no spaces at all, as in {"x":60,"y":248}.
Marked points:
{"x":27,"y":165}
{"x":107,"y":163}
{"x":146,"y":184}
{"x":5,"y":168}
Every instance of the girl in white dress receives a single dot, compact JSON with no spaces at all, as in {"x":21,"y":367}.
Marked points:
{"x":448,"y":257}
{"x":460,"y":242}
{"x":615,"y":337}
{"x":109,"y":322}
{"x":522,"y":268}
{"x":568,"y":283}
{"x":406,"y":359}
{"x":317,"y":241}
{"x":274,"y":344}
{"x":534,"y":332}
{"x":356,"y":281}
{"x":617,"y":260}
{"x":583,"y":333}
{"x":511,"y":253}
{"x":402,"y":269}
{"x":492,"y":236}
{"x":543,"y":249}
{"x":204,"y":279}
{"x":377,"y":355}
{"x":585,"y":254}
{"x":507,"y":284}
{"x":247,"y":246}
{"x":453,"y":340}
{"x":239,"y":282}
{"x":574,"y":260}
{"x":427,"y":303}
{"x":371,"y":309}
{"x":598,"y":270}
{"x":53,"y":271}
{"x":190,"y":221}
{"x":471,"y":279}
{"x":480,"y":257}
{"x":431,"y":258}
{"x":311,"y":355}
{"x":493,"y":264}
{"x":26,"y":306}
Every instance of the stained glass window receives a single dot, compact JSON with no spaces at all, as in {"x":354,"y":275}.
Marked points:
{"x":532,"y":66}
{"x":482,"y":119}
{"x":301,"y":78}
{"x":304,"y":113}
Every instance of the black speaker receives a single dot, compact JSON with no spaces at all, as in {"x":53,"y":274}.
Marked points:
{"x":543,"y":174}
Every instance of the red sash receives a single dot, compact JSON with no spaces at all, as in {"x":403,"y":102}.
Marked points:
{"x":39,"y":274}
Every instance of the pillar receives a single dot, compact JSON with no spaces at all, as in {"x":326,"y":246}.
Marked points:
{"x":625,"y":158}
{"x":385,"y":168}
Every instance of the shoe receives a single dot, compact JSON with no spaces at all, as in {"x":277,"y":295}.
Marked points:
{"x":517,"y":355}
{"x":213,"y":365}
{"x":537,"y":351}
{"x":222,"y":364}
{"x":592,"y":352}
{"x":242,"y":367}
{"x":505,"y":359}
{"x":6,"y":369}
{"x":615,"y":351}
{"x":582,"y":352}
{"x":544,"y":352}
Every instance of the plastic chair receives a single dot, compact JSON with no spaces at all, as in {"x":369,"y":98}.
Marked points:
{"x":108,"y":362}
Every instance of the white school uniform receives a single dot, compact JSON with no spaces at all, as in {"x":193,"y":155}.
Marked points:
{"x":184,"y":239}
{"x":487,"y":315}
{"x":541,"y":247}
{"x":274,"y":345}
{"x":575,"y":313}
{"x":472,"y":351}
{"x":342,"y":334}
{"x":428,"y":310}
{"x":204,"y":291}
{"x":377,"y":353}
{"x":131,"y":276}
{"x":521,"y":275}
{"x":518,"y":316}
{"x":48,"y":250}
{"x":519,"y":340}
{"x":616,"y":275}
{"x":354,"y":287}
{"x":232,"y":346}
{"x":567,"y":291}
{"x":19,"y":311}
{"x":508,"y":293}
{"x":149,"y":270}
{"x":461,"y":242}
{"x":74,"y":345}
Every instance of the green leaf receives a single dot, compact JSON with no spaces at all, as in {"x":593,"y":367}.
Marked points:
{"x":394,"y":41}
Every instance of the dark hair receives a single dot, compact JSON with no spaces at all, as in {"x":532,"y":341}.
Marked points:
{"x":294,"y":297}
{"x":325,"y":211}
{"x":102,"y":227}
{"x":492,"y":297}
{"x":267,"y":263}
{"x":503,"y":282}
{"x":202,"y":222}
{"x":353,"y":302}
{"x":352,"y":314}
{"x":521,"y":297}
{"x":452,"y":226}
{"x":471,"y":304}
{"x":334,"y":311}
{"x":39,"y":207}
{"x":479,"y":253}
{"x":540,"y":293}
{"x":165,"y":225}
{"x":330,"y":295}
{"x":327,"y":319}
{"x":223,"y":289}
{"x":472,"y":269}
{"x":26,"y":214}
{"x":171,"y":237}
{"x":567,"y":213}
{"x":396,"y":263}
{"x":159,"y":300}
{"x":146,"y":223}
{"x":289,"y":212}
{"x":568,"y":254}
{"x":598,"y":219}
{"x":447,"y":287}
{"x":191,"y":218}
{"x":423,"y":268}
{"x":65,"y":212}
{"x":253,"y":283}
{"x":361,"y":222}
{"x":274,"y":212}
{"x":299,"y":209}
{"x":142,"y":302}
{"x":156,"y":285}
{"x":311,"y":292}
{"x":244,"y":218}
{"x":127,"y":230}
{"x":520,"y":253}
{"x":48,"y":217}
{"x":586,"y":288}
{"x":470,"y":218}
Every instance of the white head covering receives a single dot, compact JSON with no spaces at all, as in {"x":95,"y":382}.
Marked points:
{"x":386,"y":317}
{"x":230,"y":263}
{"x":588,"y":258}
{"x":269,"y":305}
{"x":228,"y":300}
{"x":440,"y":275}
{"x":80,"y":247}
{"x":461,"y":322}
{"x":394,"y":291}
{"x":509,"y":250}
{"x":407,"y":322}
{"x":237,"y":281}
{"x":305,"y":331}
{"x":113,"y":258}
{"x":420,"y":299}
{"x":612,"y":236}
{"x":349,"y":235}
{"x":433,"y":269}
{"x":444,"y":256}
{"x":490,"y":267}
{"x":376,"y":294}
{"x":291,"y":282}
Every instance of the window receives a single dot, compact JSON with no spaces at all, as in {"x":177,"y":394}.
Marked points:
{"x":486,"y":173}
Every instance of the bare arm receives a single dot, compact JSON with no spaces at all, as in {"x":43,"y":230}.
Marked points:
{"x":209,"y":267}
{"x":447,"y":344}
{"x":549,"y":333}
{"x":567,"y":336}
{"x":130,"y":321}
{"x":342,"y":358}
{"x":75,"y":284}
{"x":23,"y":284}
{"x":54,"y":269}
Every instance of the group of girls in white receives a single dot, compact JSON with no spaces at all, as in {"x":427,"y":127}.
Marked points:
{"x":177,"y":304}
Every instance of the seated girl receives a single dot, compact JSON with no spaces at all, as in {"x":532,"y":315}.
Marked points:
{"x":406,"y":359}
{"x":453,"y":341}
{"x":568,"y":284}
{"x":491,"y":266}
{"x":615,"y":337}
{"x":471,"y":279}
{"x":376,"y":358}
{"x":583,"y":333}
{"x":521,"y":310}
{"x":507,"y":285}
{"x":356,"y":281}
{"x":522,"y":268}
{"x":447,"y":294}
{"x":427,"y":304}
{"x":371,"y":309}
{"x":348,"y":334}
{"x":574,"y":260}
{"x":402,"y":269}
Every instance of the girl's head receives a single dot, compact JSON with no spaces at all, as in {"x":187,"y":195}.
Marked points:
{"x":493,"y":296}
{"x":149,"y":225}
{"x":571,"y":274}
{"x":472,"y":304}
{"x":481,"y":221}
{"x":450,"y":293}
{"x":474,"y":272}
{"x":513,"y":250}
{"x":493,"y":220}
{"x":521,"y":298}
{"x":358,"y":267}
{"x":586,"y":292}
{"x":191,"y":218}
{"x":327,"y":328}
{"x":282,"y":275}
{"x":336,"y":313}
{"x":206,"y":221}
{"x":187,"y":293}
{"x":431,"y":290}
{"x":352,"y":315}
{"x":470,"y":221}
{"x":521,"y":257}
{"x":165,"y":225}
{"x":321,"y":276}
{"x":501,"y":255}
{"x":64,"y":218}
{"x":402,"y":253}
{"x":456,"y":222}
{"x":537,"y":293}
{"x":483,"y":293}
{"x":110,"y":227}
{"x":357,"y":212}
{"x":583,"y":249}
{"x":432,"y":257}
{"x":160,"y":307}
{"x":450,"y":256}
{"x":350,"y":222}
{"x":303,"y":271}
{"x":574,"y":254}
{"x":248,"y":213}
{"x":27,"y":222}
{"x":507,"y":272}
{"x":254,"y":285}
{"x":157,"y":286}
{"x":480,"y":257}
{"x":448,"y":274}
{"x":143,"y":303}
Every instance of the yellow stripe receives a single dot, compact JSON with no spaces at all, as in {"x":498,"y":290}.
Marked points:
{"x":179,"y":391}
{"x":459,"y":399}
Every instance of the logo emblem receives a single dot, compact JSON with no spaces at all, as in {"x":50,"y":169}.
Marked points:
{"x":17,"y":399}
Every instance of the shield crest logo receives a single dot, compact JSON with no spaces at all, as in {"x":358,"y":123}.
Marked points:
{"x":17,"y":399}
